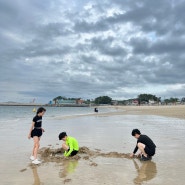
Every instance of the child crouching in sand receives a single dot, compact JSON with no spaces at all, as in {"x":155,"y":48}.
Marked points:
{"x":70,"y":144}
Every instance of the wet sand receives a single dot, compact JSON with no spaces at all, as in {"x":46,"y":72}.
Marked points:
{"x":108,"y":162}
{"x":96,"y":167}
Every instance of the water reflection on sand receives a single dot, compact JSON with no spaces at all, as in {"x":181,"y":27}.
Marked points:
{"x":146,"y":170}
{"x":36,"y":176}
{"x":67,"y":167}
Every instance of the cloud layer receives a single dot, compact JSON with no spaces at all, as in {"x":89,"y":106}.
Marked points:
{"x":93,"y":48}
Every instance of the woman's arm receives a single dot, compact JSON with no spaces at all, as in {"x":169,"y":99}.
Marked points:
{"x":32,"y":126}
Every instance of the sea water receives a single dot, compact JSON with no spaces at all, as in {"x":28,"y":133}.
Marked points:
{"x":15,"y":113}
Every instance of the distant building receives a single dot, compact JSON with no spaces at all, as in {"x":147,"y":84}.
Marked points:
{"x":114,"y":102}
{"x":67,"y":102}
{"x":151,"y":102}
{"x":183,"y":100}
{"x":79,"y":101}
{"x":50,"y":102}
{"x":62,"y":101}
{"x":135,"y":102}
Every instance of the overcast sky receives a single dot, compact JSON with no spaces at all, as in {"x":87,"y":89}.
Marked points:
{"x":80,"y":48}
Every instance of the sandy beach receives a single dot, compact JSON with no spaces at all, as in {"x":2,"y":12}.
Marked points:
{"x":105,"y":143}
{"x":175,"y":111}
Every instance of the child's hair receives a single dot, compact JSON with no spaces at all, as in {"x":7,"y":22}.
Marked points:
{"x":135,"y":131}
{"x":41,"y":109}
{"x":62,"y":135}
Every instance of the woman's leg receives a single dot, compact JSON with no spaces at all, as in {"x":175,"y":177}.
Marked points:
{"x":36,"y":146}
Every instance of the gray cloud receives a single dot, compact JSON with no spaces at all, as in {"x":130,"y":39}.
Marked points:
{"x":89,"y":49}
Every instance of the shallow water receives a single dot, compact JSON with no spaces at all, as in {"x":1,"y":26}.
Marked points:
{"x":107,"y":133}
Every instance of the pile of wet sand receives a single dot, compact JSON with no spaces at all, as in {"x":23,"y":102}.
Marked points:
{"x":57,"y":155}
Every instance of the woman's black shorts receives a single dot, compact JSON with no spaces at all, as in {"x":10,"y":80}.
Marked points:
{"x":36,"y":132}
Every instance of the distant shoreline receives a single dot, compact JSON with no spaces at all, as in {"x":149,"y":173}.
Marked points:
{"x":40,"y":104}
{"x":21,"y":104}
{"x":175,"y":111}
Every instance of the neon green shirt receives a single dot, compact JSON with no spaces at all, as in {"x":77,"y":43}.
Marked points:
{"x":73,"y":145}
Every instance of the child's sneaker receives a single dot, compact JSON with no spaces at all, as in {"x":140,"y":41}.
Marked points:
{"x":32,"y":158}
{"x":36,"y":161}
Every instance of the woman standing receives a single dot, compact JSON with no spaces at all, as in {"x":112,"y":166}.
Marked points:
{"x":36,"y":131}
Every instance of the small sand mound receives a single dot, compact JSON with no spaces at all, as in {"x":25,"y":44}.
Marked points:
{"x":45,"y":152}
{"x":87,"y":151}
{"x":84,"y":150}
{"x":115,"y":155}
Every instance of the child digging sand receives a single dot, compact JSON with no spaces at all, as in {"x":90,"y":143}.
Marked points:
{"x":70,"y":144}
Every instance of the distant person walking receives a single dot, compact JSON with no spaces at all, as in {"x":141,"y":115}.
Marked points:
{"x":70,"y":144}
{"x":96,"y":109}
{"x":144,"y":144}
{"x":36,"y":131}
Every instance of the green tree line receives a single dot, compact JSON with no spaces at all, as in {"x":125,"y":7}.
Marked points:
{"x":108,"y":100}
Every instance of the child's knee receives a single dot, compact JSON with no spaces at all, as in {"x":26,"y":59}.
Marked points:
{"x":64,"y":146}
{"x":140,"y":145}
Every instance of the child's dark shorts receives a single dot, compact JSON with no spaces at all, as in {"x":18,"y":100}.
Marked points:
{"x":149,"y":151}
{"x":36,"y":132}
{"x":74,"y":152}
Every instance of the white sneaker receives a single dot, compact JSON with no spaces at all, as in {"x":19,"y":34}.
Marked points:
{"x":32,"y":158}
{"x":36,"y":161}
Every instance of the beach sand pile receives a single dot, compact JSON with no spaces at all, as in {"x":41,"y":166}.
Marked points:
{"x":48,"y":154}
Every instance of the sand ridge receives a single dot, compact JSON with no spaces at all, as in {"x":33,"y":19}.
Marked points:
{"x":48,"y":154}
